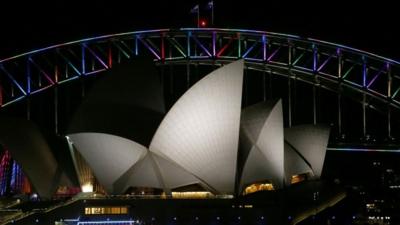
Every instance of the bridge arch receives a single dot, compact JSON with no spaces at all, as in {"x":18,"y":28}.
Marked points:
{"x":372,"y":80}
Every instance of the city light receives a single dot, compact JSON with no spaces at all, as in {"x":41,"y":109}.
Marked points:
{"x":88,"y":187}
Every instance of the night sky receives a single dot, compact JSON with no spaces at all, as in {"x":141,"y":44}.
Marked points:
{"x":367,"y":25}
{"x":27,"y":25}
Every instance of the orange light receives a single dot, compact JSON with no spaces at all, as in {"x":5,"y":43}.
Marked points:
{"x":192,"y":194}
{"x":258,"y":187}
{"x":298,"y":178}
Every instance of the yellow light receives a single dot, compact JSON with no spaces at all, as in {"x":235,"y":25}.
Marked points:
{"x":298,"y":178}
{"x":192,"y":194}
{"x":258,"y":187}
{"x":88,"y":187}
{"x":106,"y":210}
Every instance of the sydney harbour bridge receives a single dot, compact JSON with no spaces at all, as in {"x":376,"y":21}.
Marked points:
{"x":355,"y":92}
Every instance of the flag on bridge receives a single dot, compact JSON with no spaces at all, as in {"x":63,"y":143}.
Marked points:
{"x":210,"y":6}
{"x":195,"y":9}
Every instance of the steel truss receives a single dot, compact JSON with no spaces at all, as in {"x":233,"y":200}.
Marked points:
{"x":365,"y":76}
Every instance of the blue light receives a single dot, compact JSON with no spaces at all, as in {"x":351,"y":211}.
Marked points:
{"x":106,"y":222}
{"x":84,"y":40}
{"x":26,"y":89}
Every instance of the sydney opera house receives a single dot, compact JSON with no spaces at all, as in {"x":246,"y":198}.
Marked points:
{"x":197,"y":144}
{"x":133,"y":158}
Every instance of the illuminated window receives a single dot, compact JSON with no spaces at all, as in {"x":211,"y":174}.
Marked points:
{"x":258,"y":187}
{"x":192,"y":194}
{"x":88,"y":187}
{"x":106,"y":210}
{"x":298,"y":178}
{"x":124,"y":210}
{"x":191,"y":191}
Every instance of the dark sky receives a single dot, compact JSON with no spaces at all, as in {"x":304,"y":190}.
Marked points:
{"x":369,"y":26}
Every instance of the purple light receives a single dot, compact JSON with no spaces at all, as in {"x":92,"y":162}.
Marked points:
{"x":83,"y":40}
{"x":264,"y":43}
{"x":201,"y":46}
{"x":150,"y":48}
{"x":106,"y":222}
{"x":214,"y":37}
{"x":272,"y":34}
{"x":210,"y":52}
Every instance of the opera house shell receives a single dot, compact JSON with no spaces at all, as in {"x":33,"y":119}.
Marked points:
{"x":205,"y":142}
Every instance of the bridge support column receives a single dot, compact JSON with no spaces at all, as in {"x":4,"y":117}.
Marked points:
{"x":339,"y":115}
{"x":389,"y":95}
{"x":289,"y":102}
{"x":314,"y":105}
{"x":28,"y":108}
{"x":339,"y":66}
{"x":270,"y":84}
{"x":246,"y":86}
{"x":364,"y":116}
{"x":83,"y":88}
{"x":162,"y":76}
{"x":187,"y":75}
{"x":389,"y":122}
{"x":264,"y":86}
{"x":56,"y":110}
{"x":171,"y":80}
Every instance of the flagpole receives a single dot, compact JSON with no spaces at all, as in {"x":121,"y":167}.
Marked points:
{"x":212,"y":14}
{"x":196,"y":9}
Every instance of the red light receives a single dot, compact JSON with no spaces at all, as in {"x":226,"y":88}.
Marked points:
{"x":203,"y":23}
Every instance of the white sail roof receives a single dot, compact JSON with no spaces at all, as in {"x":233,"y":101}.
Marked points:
{"x":109,"y":156}
{"x":201,"y":131}
{"x":294,"y":164}
{"x":29,"y":148}
{"x":262,"y":127}
{"x":311,"y":142}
